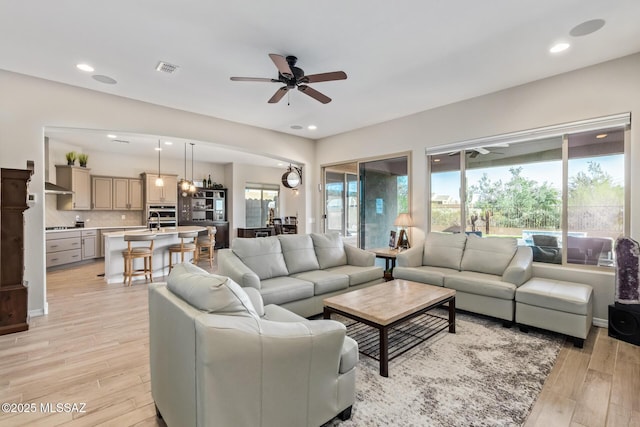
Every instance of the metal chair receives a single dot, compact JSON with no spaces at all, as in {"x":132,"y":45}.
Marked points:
{"x":205,"y":245}
{"x":134,"y":252}
{"x":183,"y":247}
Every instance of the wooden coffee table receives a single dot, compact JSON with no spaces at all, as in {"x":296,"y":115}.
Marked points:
{"x":388,"y":307}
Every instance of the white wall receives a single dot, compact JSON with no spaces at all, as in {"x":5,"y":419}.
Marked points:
{"x":609,"y":88}
{"x":28,"y":105}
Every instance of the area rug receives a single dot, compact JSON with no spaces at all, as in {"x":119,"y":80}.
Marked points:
{"x":483,"y":375}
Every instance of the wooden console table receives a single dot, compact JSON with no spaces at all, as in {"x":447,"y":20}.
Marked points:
{"x":256,"y":232}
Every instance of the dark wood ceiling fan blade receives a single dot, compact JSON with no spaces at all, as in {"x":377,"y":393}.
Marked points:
{"x":281,"y":64}
{"x":278,"y":95}
{"x":314,"y":94}
{"x":254,"y":79}
{"x":324,"y":77}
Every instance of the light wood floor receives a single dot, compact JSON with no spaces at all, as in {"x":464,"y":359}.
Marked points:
{"x":92,"y":348}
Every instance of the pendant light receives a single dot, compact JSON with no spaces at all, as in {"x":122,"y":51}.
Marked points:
{"x":185,"y":184}
{"x":159,"y":181}
{"x":192,"y":186}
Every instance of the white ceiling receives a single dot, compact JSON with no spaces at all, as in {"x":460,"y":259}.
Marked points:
{"x":401,"y":57}
{"x":138,"y":145}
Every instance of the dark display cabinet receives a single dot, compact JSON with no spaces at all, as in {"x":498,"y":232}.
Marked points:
{"x":13,"y":292}
{"x":206,"y":207}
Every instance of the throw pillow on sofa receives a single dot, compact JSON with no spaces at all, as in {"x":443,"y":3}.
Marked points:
{"x":209,"y":292}
{"x":329,"y":250}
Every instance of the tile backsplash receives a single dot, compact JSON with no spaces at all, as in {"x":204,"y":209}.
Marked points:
{"x":54,"y":217}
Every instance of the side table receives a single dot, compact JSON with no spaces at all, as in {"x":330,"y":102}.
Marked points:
{"x":389,"y":256}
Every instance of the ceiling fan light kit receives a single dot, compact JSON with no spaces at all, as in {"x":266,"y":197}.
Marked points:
{"x":293,"y":77}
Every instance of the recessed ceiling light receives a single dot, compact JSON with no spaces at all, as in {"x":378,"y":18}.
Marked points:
{"x":158,"y":149}
{"x":312,"y":127}
{"x":436,"y":160}
{"x":587,"y":27}
{"x":168,"y":143}
{"x":559,"y":47}
{"x":280,"y":164}
{"x":85,"y":67}
{"x":296,"y":127}
{"x":112,"y":136}
{"x":104,"y":79}
{"x":602,"y":135}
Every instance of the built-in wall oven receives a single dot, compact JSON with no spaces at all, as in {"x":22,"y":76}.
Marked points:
{"x":162,"y":216}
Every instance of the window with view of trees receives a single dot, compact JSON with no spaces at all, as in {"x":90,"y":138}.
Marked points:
{"x":518,"y":190}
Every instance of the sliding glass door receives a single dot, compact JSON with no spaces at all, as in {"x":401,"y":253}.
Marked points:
{"x":362,"y":199}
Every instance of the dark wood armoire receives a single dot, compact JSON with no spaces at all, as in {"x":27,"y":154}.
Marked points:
{"x":13,"y":292}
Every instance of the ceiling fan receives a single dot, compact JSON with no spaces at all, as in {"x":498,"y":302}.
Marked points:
{"x":293,"y":77}
{"x":475,"y":151}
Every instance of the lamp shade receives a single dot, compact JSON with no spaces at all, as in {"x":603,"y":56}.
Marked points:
{"x":403,"y":220}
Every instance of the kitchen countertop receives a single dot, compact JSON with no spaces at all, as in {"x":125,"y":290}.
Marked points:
{"x":96,"y":228}
{"x":165,"y":231}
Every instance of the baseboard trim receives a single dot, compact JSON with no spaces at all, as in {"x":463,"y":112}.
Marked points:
{"x":36,"y":313}
{"x":601,"y":323}
{"x":39,"y":312}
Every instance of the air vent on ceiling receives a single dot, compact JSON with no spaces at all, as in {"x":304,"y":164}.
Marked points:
{"x":165,"y":67}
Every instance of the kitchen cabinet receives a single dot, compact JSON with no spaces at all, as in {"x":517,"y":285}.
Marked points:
{"x":222,"y":234}
{"x":203,"y":207}
{"x":13,"y":289}
{"x":206,"y":207}
{"x":127,"y":194}
{"x":115,"y":193}
{"x":90,"y":244}
{"x":78,"y":180}
{"x":101,"y":194}
{"x":167,"y":194}
{"x":63,"y":247}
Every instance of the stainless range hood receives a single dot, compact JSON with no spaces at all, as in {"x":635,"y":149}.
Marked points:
{"x":50,"y":188}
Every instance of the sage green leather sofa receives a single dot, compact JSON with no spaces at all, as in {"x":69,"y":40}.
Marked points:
{"x":298,"y":271}
{"x":219,"y":357}
{"x":493,"y":276}
{"x":484,"y":271}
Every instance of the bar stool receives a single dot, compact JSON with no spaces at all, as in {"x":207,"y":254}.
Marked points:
{"x":183,"y":247}
{"x":133,"y":252}
{"x":204,"y":246}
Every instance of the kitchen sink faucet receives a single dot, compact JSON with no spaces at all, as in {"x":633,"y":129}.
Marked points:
{"x":158,"y":221}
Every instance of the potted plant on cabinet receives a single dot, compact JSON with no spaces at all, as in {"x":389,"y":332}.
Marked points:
{"x":82,"y":158}
{"x":71,"y":158}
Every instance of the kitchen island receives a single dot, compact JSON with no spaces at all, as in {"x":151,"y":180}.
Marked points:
{"x":114,"y":244}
